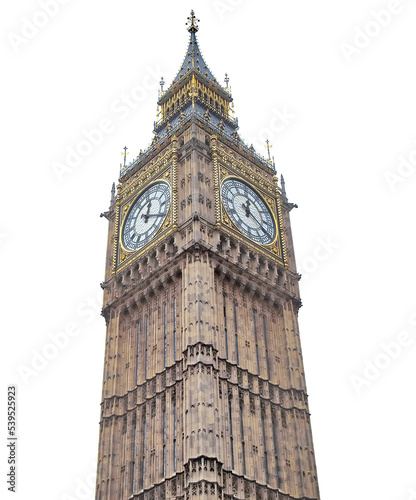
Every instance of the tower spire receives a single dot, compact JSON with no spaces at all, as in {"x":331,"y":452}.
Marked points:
{"x":193,"y":57}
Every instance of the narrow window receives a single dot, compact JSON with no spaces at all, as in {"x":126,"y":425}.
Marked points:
{"x":137,"y":354}
{"x":276,"y":456}
{"x":164,"y":334}
{"x":242,"y":437}
{"x":266,"y":464}
{"x":231,"y":433}
{"x":144,"y":453}
{"x":164,"y":442}
{"x":174,"y":435}
{"x":147,"y":345}
{"x":133,"y":474}
{"x":265,"y":345}
{"x":255,"y":340}
{"x":174,"y":329}
{"x":235,"y":331}
{"x":225,"y":326}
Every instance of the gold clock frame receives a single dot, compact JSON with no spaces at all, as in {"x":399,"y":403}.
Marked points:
{"x":121,"y":255}
{"x":267,"y":202}
{"x":275,"y":249}
{"x":128,"y":206}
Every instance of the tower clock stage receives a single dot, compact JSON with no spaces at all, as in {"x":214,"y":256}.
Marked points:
{"x":204,"y":392}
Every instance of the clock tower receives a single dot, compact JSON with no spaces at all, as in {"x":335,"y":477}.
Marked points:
{"x":204,"y":392}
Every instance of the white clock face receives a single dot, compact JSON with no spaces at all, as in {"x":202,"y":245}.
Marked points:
{"x":146,"y":216}
{"x":248,"y":211}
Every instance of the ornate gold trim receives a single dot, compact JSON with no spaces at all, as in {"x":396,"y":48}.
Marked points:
{"x":216,"y":176}
{"x":126,"y":208}
{"x":174,"y":182}
{"x":275,"y":249}
{"x":280,"y":216}
{"x":146,"y":174}
{"x":115,"y":233}
{"x":139,"y":253}
{"x":276,"y":223}
{"x":258,"y":177}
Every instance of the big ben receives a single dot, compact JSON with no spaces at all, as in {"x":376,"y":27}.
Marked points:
{"x":204,"y":392}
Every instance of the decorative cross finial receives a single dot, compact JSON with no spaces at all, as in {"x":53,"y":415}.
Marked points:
{"x":125,"y":155}
{"x":192,"y":23}
{"x":226,"y":79}
{"x":268,"y":146}
{"x":162,"y":82}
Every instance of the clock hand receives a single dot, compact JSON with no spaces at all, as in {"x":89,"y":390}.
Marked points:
{"x":155,"y":215}
{"x":259,"y":223}
{"x":146,"y":215}
{"x":247,"y":208}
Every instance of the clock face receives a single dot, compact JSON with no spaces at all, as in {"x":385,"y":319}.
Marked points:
{"x":248,"y":211}
{"x":146,"y":216}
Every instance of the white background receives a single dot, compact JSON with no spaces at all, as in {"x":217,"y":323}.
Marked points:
{"x":350,"y":122}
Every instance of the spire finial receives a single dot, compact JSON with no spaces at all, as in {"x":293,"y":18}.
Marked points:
{"x":282,"y":182}
{"x":268,"y":146}
{"x":125,"y":155}
{"x":192,"y":23}
{"x":162,"y":82}
{"x":226,"y":80}
{"x":113,"y":192}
